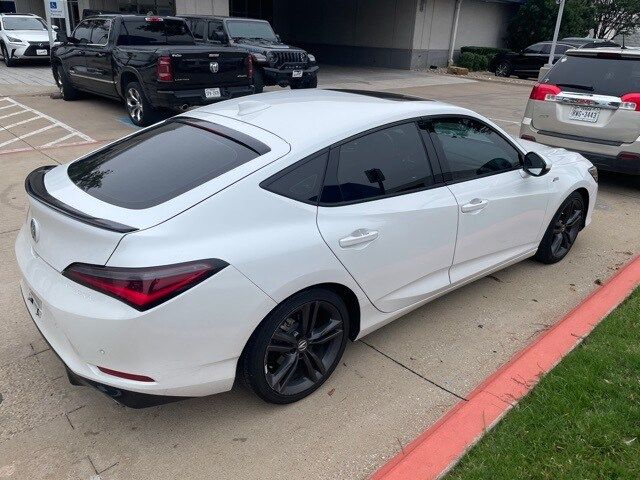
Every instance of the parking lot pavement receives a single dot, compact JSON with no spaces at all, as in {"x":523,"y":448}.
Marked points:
{"x":388,"y":388}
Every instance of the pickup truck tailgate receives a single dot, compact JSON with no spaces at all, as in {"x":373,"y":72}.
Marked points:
{"x":201,"y":69}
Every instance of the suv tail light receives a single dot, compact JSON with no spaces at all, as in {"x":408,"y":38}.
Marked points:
{"x":143,"y":288}
{"x":544,"y":91}
{"x":249,"y":62}
{"x":164,"y":73}
{"x":630,"y":101}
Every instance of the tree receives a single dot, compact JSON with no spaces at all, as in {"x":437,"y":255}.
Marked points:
{"x":535,"y":21}
{"x":611,"y":17}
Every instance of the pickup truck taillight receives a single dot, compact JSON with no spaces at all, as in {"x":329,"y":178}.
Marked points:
{"x":249,"y":62}
{"x":540,"y":91}
{"x":164,"y":73}
{"x":143,"y":288}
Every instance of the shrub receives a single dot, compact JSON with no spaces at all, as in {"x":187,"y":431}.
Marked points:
{"x":473,"y":61}
{"x":488,"y":52}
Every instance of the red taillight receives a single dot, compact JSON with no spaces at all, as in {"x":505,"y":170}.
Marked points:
{"x":143,"y":288}
{"x":541,"y":90}
{"x":628,"y":156}
{"x":164,"y":72}
{"x":249,"y":62}
{"x":153,"y":19}
{"x":631,"y":101}
{"x":128,"y":376}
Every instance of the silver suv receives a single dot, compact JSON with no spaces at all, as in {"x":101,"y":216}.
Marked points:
{"x":589,"y":102}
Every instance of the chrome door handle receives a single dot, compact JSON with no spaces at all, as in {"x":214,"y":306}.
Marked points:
{"x":358,"y":237}
{"x":474,"y":205}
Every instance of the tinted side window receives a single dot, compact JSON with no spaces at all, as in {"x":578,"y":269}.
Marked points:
{"x":178,"y":32}
{"x":473,"y":149}
{"x":546,"y":48}
{"x":533,"y":48}
{"x":560,"y":49}
{"x":388,"y":161}
{"x":215,"y":26}
{"x":82,"y":33}
{"x":303,"y":182}
{"x":198,"y":29}
{"x":157,"y":165}
{"x":100,"y":32}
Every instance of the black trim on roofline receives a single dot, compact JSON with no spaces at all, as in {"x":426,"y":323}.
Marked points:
{"x":382,"y":95}
{"x":35,"y":188}
{"x":242,"y":138}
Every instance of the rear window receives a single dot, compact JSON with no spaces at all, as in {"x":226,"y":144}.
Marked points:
{"x":604,"y":76}
{"x":156,"y":32}
{"x":157,"y":165}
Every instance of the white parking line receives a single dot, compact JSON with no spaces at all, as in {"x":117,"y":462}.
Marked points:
{"x":67,"y":133}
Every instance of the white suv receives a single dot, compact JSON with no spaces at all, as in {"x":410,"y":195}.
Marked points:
{"x":23,"y":36}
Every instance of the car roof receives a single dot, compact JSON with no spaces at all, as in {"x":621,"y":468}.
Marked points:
{"x":316,"y":118}
{"x":608,"y":52}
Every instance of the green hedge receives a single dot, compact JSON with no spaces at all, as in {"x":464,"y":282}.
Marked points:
{"x":486,"y":51}
{"x":473,"y":61}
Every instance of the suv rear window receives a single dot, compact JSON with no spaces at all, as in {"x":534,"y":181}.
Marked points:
{"x":155,"y":32}
{"x":603,"y":76}
{"x":157,"y":165}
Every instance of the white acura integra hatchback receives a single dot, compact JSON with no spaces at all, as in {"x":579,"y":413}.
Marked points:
{"x":254,"y":238}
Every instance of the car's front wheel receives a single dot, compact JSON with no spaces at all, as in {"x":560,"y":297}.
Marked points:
{"x":503,"y":69}
{"x":563,"y":230}
{"x":297,"y":346}
{"x":140,"y":111}
{"x":9,"y":62}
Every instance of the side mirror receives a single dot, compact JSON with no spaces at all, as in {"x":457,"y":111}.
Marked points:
{"x":535,"y":165}
{"x":55,"y":28}
{"x":278,"y":38}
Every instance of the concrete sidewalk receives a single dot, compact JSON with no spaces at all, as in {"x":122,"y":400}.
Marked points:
{"x":388,"y":388}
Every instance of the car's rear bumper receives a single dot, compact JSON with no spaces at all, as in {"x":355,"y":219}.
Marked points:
{"x":621,"y":158}
{"x":186,"y":347}
{"x":277,"y":76}
{"x":179,"y":98}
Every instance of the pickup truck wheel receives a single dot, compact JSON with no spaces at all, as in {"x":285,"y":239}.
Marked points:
{"x":258,"y":81}
{"x":67,"y":90}
{"x":9,"y":62}
{"x":139,"y":109}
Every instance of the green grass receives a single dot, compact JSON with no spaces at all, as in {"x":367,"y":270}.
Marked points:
{"x":582,"y":421}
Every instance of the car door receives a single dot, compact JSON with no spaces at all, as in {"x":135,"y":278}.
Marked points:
{"x":529,"y":58}
{"x":73,"y":56}
{"x":387,"y":216}
{"x":98,"y":58}
{"x":501,"y":207}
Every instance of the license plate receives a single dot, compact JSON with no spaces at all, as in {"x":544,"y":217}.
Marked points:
{"x":297,"y":74}
{"x":212,"y":92}
{"x":584,"y":114}
{"x":42,"y":51}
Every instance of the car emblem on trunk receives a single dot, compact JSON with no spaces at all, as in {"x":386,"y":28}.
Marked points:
{"x":213,"y":66}
{"x":35,"y":230}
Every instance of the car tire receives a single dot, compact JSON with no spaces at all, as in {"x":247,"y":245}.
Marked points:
{"x":503,"y":69}
{"x":67,"y":90}
{"x":9,"y":62}
{"x":311,"y":82}
{"x":258,"y":81}
{"x":563,"y":230}
{"x":296,"y":347}
{"x":140,"y":111}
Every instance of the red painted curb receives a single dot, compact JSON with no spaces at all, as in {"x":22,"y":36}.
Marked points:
{"x":434,"y":452}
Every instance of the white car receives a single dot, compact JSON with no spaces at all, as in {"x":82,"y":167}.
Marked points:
{"x":23,"y":36}
{"x":259,"y":235}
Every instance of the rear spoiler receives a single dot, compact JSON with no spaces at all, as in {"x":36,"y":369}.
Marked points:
{"x":34,"y":185}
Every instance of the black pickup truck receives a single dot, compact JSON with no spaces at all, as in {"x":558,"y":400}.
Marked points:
{"x":275,"y":63}
{"x":153,"y":63}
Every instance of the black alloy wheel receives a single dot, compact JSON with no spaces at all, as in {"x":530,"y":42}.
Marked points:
{"x":563,"y":230}
{"x":503,"y":69}
{"x":297,"y":347}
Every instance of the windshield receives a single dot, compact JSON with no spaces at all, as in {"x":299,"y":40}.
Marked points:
{"x":603,"y":76}
{"x":22,"y":23}
{"x":251,"y":30}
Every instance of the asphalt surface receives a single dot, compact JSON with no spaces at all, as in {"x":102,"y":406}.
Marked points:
{"x":388,"y":388}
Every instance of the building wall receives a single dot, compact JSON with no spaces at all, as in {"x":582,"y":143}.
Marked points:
{"x":30,"y":6}
{"x":483,"y":23}
{"x":203,"y":7}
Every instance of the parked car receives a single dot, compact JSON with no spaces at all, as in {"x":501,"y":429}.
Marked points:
{"x":23,"y":36}
{"x":153,"y":63}
{"x":589,"y":102}
{"x":528,"y":62}
{"x":259,"y":236}
{"x":275,"y":62}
